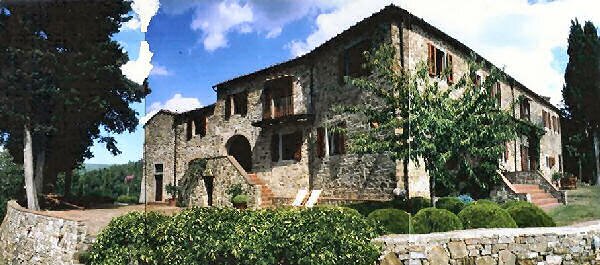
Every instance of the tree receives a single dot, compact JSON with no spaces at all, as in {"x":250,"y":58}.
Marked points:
{"x":458,"y":130}
{"x":581,"y":92}
{"x":11,"y":181}
{"x":63,"y":81}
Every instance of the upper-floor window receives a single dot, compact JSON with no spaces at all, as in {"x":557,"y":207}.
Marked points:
{"x":496,"y":94}
{"x":189,"y":127}
{"x":330,"y":142}
{"x":200,"y":126}
{"x":278,"y":97}
{"x":550,"y":122}
{"x":524,"y":109}
{"x":286,"y":146}
{"x":438,"y":61}
{"x":352,"y":60}
{"x":158,"y":169}
{"x":236,"y":104}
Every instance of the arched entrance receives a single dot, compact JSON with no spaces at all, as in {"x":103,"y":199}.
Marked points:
{"x":239,"y":147}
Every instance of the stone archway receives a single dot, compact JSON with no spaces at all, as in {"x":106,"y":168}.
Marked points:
{"x":238,"y":146}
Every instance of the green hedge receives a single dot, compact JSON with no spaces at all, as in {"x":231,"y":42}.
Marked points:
{"x":430,"y":220}
{"x":229,"y":236}
{"x":127,"y":199}
{"x":527,"y":214}
{"x":485,"y":214}
{"x":392,"y":221}
{"x":453,"y":204}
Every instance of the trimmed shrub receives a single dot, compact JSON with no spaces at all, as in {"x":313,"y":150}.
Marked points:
{"x":453,"y":204}
{"x":392,"y":221}
{"x":128,"y":199}
{"x":512,"y":203}
{"x":415,"y":204}
{"x":430,"y":220}
{"x":240,"y":199}
{"x":486,"y":201}
{"x":485,"y":214}
{"x":365,"y":208}
{"x":229,"y":236}
{"x":527,"y":214}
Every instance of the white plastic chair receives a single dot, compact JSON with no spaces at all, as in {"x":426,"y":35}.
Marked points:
{"x":312,"y":200}
{"x":300,"y":196}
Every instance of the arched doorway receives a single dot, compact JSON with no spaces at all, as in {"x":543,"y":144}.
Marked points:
{"x":239,"y":147}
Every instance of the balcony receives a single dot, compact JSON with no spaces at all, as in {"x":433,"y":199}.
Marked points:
{"x":281,"y":110}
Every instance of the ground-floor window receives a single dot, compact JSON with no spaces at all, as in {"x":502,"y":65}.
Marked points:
{"x":330,"y":141}
{"x":286,"y":146}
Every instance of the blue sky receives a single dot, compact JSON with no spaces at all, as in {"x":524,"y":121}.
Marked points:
{"x":199,"y":43}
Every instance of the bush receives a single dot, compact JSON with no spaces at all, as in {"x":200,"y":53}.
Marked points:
{"x":366,"y":208}
{"x":511,"y":203}
{"x":240,"y":199}
{"x":230,"y":236}
{"x":127,"y":199}
{"x":415,"y":204}
{"x":526,"y":214}
{"x":453,"y":204}
{"x":486,"y":201}
{"x":485,"y":214}
{"x":431,"y":220}
{"x":392,"y":221}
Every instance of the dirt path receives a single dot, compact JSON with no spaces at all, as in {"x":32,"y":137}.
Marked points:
{"x":97,"y":219}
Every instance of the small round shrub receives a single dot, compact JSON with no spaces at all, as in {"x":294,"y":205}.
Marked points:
{"x":431,"y":220}
{"x":509,"y":204}
{"x":415,"y":204}
{"x":240,"y":199}
{"x":485,"y":215}
{"x":391,"y":220}
{"x":486,"y":201}
{"x":453,"y":204}
{"x":526,"y":214}
{"x":127,"y":199}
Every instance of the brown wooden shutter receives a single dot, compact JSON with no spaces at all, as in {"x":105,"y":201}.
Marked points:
{"x":449,"y":64}
{"x":298,"y":145}
{"x":321,"y":142}
{"x":275,"y":147}
{"x":228,"y":106}
{"x":544,"y":119}
{"x":267,"y":103}
{"x":431,"y":59}
{"x":507,"y":147}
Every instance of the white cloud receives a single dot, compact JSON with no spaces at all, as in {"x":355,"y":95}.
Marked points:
{"x":137,"y":70}
{"x":145,"y":10}
{"x":509,"y":33}
{"x":177,"y":103}
{"x":159,"y":70}
{"x":217,"y":21}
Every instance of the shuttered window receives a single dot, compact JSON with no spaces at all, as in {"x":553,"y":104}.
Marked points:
{"x":450,"y":68}
{"x":286,"y":146}
{"x":188,"y":130}
{"x":200,"y":126}
{"x":236,"y":104}
{"x":320,"y":142}
{"x":278,"y":99}
{"x":352,"y":61}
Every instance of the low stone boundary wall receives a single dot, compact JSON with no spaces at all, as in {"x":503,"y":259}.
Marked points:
{"x":30,"y":237}
{"x":524,"y":246}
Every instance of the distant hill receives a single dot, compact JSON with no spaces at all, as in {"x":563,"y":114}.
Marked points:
{"x":90,"y":167}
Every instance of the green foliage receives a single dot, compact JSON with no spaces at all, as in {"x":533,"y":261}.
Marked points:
{"x":127,"y":199}
{"x":430,"y":220}
{"x":228,"y":236}
{"x":172,"y":190}
{"x":415,"y":204}
{"x":240,"y":199}
{"x":366,"y":208}
{"x":391,"y":220}
{"x":11,"y":181}
{"x":485,"y":214}
{"x":459,"y":137}
{"x":527,"y":214}
{"x":453,"y":204}
{"x":107,"y":182}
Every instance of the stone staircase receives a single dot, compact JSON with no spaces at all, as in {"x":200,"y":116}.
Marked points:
{"x":266,"y":194}
{"x":537,"y":195}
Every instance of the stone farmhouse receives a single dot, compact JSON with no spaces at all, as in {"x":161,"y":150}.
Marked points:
{"x":270,"y":131}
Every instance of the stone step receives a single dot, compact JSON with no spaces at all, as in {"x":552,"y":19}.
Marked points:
{"x":540,"y":202}
{"x":550,"y":206}
{"x":541,"y":195}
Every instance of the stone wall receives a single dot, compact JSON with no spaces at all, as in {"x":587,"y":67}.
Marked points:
{"x":28,"y":237}
{"x":523,"y":246}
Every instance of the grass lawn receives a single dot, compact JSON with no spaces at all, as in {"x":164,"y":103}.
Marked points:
{"x":584,"y":205}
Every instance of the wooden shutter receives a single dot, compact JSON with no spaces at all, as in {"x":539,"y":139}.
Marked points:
{"x":267,"y":97}
{"x":298,"y":145}
{"x":507,"y":147}
{"x":450,"y":66}
{"x":228,"y":107}
{"x":275,"y":147}
{"x":431,"y":59}
{"x":321,"y":142}
{"x":544,"y":120}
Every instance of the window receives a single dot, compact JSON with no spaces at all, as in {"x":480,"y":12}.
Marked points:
{"x":330,"y":142}
{"x":158,"y":181}
{"x":278,"y":100}
{"x":506,"y":148}
{"x":559,"y":163}
{"x":236,"y":104}
{"x":158,"y":168}
{"x":550,"y":161}
{"x":496,"y":93}
{"x":286,"y":146}
{"x":352,"y":60}
{"x":545,"y":118}
{"x":438,"y":61}
{"x":524,"y":109}
{"x":200,"y":126}
{"x":188,"y":130}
